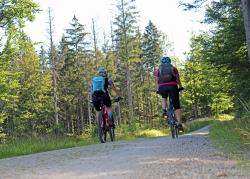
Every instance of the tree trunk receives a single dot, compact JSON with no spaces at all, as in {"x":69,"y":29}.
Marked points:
{"x":95,"y":41}
{"x":53,"y":66}
{"x":246,"y":15}
{"x":81,"y":117}
{"x":89,"y":109}
{"x":129,"y":94}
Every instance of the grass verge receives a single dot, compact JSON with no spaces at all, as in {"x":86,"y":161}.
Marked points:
{"x":42,"y":144}
{"x":233,"y":138}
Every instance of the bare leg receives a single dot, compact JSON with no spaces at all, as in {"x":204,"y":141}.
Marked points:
{"x":96,"y":116}
{"x":178,"y":115}
{"x":164,"y":103}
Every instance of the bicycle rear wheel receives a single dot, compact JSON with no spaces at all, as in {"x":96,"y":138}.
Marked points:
{"x":101,"y":132}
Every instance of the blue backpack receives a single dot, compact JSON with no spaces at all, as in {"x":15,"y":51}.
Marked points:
{"x":98,"y":84}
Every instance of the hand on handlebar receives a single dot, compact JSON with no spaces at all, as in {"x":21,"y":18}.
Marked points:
{"x":180,"y":89}
{"x":118,"y":98}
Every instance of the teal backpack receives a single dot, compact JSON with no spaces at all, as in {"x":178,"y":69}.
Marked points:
{"x":98,"y":83}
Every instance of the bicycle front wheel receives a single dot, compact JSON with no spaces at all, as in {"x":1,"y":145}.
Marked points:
{"x":172,"y":129}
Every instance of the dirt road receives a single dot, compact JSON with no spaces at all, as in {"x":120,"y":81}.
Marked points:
{"x":190,"y":157}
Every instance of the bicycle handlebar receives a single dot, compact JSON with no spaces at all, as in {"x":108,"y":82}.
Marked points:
{"x":180,"y":89}
{"x":118,"y":98}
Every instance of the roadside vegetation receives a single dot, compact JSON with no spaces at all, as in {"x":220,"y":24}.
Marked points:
{"x":232,"y":136}
{"x":17,"y":147}
{"x":44,"y":93}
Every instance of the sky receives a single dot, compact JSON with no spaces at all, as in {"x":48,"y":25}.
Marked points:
{"x":165,"y":15}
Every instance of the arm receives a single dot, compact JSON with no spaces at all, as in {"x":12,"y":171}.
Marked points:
{"x":178,"y":78}
{"x":115,"y":89}
{"x":112,"y":86}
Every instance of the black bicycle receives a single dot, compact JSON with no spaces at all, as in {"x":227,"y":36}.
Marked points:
{"x":172,"y":121}
{"x":105,"y":126}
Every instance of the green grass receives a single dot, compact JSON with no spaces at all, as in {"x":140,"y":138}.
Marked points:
{"x":233,"y":138}
{"x":129,"y":134}
{"x":26,"y":146}
{"x":41,"y":144}
{"x":197,"y":124}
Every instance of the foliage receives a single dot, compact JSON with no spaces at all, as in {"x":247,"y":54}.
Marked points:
{"x":232,"y":136}
{"x":215,"y":75}
{"x":16,"y":13}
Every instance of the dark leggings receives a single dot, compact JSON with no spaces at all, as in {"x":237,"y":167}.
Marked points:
{"x":98,"y":98}
{"x":172,"y":92}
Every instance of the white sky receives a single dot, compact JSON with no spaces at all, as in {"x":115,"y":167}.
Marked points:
{"x":165,"y":14}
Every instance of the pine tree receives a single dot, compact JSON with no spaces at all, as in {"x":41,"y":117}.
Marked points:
{"x":125,"y":34}
{"x":76,"y":72}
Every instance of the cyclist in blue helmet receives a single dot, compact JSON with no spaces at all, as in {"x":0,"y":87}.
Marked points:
{"x":168,"y":84}
{"x":165,"y":60}
{"x":100,"y":86}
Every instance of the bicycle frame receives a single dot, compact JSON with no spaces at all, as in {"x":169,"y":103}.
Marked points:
{"x":104,"y":114}
{"x":172,"y":122}
{"x":103,"y":125}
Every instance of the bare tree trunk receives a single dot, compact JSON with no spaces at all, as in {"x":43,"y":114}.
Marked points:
{"x":89,"y":109}
{"x":81,"y":116}
{"x":53,"y":66}
{"x":246,"y":15}
{"x":95,"y":41}
{"x":129,"y":94}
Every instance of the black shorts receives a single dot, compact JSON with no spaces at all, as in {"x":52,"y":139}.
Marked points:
{"x":101,"y":97}
{"x":172,"y":92}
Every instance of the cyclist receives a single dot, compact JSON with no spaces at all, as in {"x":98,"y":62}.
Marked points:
{"x":167,"y":81}
{"x":100,"y":86}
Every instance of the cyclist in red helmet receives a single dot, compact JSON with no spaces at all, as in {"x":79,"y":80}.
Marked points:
{"x":167,"y":83}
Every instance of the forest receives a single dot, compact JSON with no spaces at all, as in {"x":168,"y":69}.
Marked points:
{"x":47,"y":91}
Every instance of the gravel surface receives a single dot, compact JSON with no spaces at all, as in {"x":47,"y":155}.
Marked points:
{"x":190,"y":157}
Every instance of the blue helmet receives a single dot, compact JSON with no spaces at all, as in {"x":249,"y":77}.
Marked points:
{"x":165,"y":60}
{"x":102,"y":71}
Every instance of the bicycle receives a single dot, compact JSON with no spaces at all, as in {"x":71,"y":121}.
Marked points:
{"x":172,"y":121}
{"x":103,"y":126}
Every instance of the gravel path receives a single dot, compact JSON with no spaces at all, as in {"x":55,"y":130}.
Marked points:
{"x":190,"y":157}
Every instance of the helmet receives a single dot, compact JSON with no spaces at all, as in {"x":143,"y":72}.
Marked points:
{"x":102,"y":71}
{"x":165,"y":60}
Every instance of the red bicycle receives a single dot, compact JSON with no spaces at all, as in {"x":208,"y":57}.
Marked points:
{"x":103,"y":125}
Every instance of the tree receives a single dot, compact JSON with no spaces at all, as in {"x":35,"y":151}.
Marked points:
{"x":74,"y":73}
{"x":246,"y":15}
{"x":52,"y":58}
{"x":151,"y":46}
{"x":16,"y":13}
{"x":245,"y":9}
{"x":13,"y":15}
{"x":204,"y":94}
{"x":35,"y":103}
{"x":125,"y":33}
